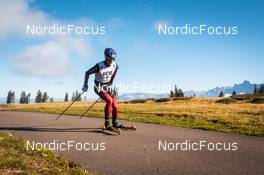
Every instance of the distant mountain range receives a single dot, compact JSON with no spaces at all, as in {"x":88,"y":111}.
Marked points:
{"x":132,"y":96}
{"x":244,"y":88}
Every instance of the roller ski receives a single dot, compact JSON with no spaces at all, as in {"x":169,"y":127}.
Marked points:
{"x":110,"y":130}
{"x":118,"y":125}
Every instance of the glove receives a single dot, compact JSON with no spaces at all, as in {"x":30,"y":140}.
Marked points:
{"x":85,"y":88}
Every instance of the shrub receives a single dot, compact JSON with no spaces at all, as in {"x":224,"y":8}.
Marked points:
{"x":182,"y":98}
{"x":258,"y":100}
{"x":226,"y":101}
{"x":162,"y":100}
{"x":138,"y":101}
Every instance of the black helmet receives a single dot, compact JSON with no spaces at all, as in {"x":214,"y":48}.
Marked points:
{"x":109,"y":53}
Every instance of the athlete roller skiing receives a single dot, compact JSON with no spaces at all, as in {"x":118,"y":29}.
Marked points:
{"x":105,"y":72}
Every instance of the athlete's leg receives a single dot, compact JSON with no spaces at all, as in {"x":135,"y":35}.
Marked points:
{"x":114,"y":109}
{"x":108,"y":99}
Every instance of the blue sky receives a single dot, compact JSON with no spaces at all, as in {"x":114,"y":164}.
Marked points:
{"x":192,"y":62}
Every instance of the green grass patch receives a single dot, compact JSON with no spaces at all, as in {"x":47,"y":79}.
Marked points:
{"x":16,"y":159}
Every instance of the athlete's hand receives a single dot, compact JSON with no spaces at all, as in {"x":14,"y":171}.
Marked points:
{"x":85,"y":88}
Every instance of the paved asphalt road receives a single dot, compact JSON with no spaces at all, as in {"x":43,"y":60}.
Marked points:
{"x":137,"y":152}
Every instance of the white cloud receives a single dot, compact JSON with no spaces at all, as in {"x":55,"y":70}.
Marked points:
{"x":16,"y":14}
{"x":48,"y":59}
{"x":79,"y":45}
{"x":52,"y":56}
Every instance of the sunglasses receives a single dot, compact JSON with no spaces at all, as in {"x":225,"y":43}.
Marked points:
{"x":112,"y":59}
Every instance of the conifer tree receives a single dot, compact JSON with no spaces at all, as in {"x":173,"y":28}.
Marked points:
{"x":66,"y":98}
{"x":261,"y":89}
{"x":22,"y":97}
{"x":45,"y":97}
{"x":10,"y":97}
{"x":234,"y":93}
{"x":38,"y":98}
{"x":221,"y":94}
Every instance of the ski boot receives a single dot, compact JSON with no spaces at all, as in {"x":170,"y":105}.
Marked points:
{"x":108,"y":127}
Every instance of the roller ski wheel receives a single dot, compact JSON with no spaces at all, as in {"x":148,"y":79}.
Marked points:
{"x":111,"y":129}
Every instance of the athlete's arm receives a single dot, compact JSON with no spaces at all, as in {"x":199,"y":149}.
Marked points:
{"x":92,"y":70}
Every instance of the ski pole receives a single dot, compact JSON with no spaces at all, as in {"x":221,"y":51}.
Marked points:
{"x":90,"y":107}
{"x":69,"y":105}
